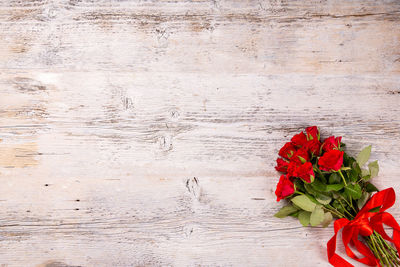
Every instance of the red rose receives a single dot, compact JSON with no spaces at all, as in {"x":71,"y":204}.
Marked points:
{"x":313,"y":146}
{"x":300,"y":156}
{"x":304,"y":171}
{"x":331,"y":143}
{"x":331,"y":160}
{"x":299,"y":139}
{"x":312,"y":133}
{"x":291,"y":169}
{"x":287,"y":150}
{"x":284,"y":188}
{"x":281,"y":165}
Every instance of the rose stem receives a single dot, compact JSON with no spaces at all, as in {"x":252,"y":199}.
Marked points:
{"x":388,"y":248}
{"x":372,"y":246}
{"x":344,"y":180}
{"x":385,"y":259}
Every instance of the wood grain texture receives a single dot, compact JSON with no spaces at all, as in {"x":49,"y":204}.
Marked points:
{"x":144,"y":133}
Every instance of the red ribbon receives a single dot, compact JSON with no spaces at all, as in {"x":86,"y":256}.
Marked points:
{"x":365,"y":223}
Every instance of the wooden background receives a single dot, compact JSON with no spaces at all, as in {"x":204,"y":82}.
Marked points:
{"x":144,"y":133}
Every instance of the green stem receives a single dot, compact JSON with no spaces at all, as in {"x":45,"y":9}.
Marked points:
{"x":372,"y":245}
{"x":384,"y":256}
{"x":388,"y":248}
{"x":349,"y":203}
{"x":341,"y":204}
{"x":387,"y":254}
{"x":344,"y":180}
{"x":334,"y":211}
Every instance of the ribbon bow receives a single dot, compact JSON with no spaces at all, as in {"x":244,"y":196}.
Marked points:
{"x":367,"y":221}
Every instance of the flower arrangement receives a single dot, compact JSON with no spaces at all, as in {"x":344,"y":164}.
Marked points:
{"x":321,"y":182}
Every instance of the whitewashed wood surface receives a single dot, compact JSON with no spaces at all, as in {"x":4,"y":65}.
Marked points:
{"x":144,"y":133}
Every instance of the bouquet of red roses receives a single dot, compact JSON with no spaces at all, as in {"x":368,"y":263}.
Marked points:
{"x":321,"y":182}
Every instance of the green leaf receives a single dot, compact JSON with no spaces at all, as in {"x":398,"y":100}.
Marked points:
{"x":366,"y":178}
{"x":297,"y":207}
{"x":364,"y":198}
{"x":304,"y":203}
{"x":304,"y":217}
{"x":323,"y":199}
{"x":337,"y":206}
{"x":312,"y":198}
{"x":317,"y":216}
{"x":353,"y":190}
{"x":285,"y":211}
{"x":371,"y":188}
{"x":327,"y":219}
{"x":373,"y":168}
{"x":334,"y":178}
{"x":354,"y":173}
{"x":299,"y":185}
{"x":363,"y":157}
{"x":376,"y":209}
{"x":334,"y":187}
{"x":303,"y":160}
{"x":310,"y":189}
{"x":322,"y":178}
{"x":317,"y":185}
{"x":318,"y":173}
{"x":347,"y":160}
{"x":364,"y":172}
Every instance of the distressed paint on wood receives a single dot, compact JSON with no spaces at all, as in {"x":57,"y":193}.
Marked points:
{"x":144,"y":133}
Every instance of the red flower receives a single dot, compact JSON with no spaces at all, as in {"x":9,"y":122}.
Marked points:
{"x":281,"y":165}
{"x":284,"y":188}
{"x":287,"y":150}
{"x":304,"y":171}
{"x":299,"y":139}
{"x":313,"y":146}
{"x":312,"y":133}
{"x":331,"y":160}
{"x":291,"y":169}
{"x":300,"y":156}
{"x":331,"y":143}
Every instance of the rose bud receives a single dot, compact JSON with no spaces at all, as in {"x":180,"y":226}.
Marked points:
{"x":287,"y":150}
{"x":304,"y":171}
{"x":281,"y":165}
{"x":331,"y":143}
{"x":284,"y":188}
{"x":331,"y":160}
{"x":312,"y":133}
{"x":313,"y":146}
{"x":300,"y":156}
{"x":299,"y":139}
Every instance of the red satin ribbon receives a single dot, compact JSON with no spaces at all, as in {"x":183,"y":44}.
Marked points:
{"x":365,"y":223}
